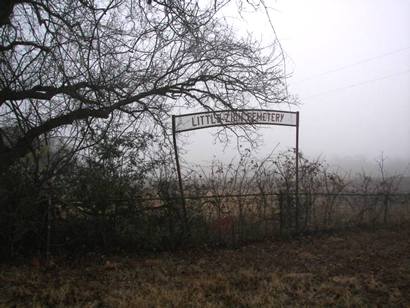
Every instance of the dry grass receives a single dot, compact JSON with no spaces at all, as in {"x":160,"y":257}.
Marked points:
{"x":345,"y":269}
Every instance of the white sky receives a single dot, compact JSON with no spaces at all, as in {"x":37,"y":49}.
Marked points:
{"x":350,"y":67}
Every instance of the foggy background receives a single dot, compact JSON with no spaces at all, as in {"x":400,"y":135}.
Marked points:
{"x":349,"y":66}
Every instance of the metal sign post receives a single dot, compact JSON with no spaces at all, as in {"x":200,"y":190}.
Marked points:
{"x":199,"y":120}
{"x":297,"y":173}
{"x":181,"y":189}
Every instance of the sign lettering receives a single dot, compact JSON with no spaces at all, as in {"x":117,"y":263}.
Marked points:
{"x":199,"y":120}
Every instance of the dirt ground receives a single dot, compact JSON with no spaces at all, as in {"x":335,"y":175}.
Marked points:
{"x":352,"y":268}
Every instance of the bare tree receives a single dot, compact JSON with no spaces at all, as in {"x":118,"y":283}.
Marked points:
{"x":67,"y":67}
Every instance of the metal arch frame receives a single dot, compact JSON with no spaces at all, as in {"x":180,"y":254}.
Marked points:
{"x":296,"y":125}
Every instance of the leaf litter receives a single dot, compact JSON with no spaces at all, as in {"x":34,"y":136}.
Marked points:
{"x":350,"y":268}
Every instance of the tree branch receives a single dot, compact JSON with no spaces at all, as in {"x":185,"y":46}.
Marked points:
{"x":24,"y":43}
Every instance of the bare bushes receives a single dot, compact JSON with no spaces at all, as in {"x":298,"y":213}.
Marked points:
{"x":260,"y":198}
{"x":257,"y":199}
{"x":95,"y":205}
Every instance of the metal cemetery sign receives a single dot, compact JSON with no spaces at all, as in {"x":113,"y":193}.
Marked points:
{"x":199,"y":120}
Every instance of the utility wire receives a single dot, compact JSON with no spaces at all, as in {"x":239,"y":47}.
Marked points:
{"x":359,"y":83}
{"x":352,"y":65}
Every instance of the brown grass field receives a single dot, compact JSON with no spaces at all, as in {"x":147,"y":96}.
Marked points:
{"x":350,"y":268}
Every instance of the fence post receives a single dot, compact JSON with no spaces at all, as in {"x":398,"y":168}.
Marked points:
{"x":386,"y":206}
{"x":281,"y":218}
{"x":48,"y":226}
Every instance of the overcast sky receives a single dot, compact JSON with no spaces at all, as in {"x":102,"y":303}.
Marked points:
{"x":349,"y":62}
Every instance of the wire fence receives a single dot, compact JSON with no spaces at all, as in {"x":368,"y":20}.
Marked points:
{"x":157,"y":223}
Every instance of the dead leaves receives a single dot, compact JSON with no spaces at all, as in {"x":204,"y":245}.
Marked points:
{"x":350,"y":269}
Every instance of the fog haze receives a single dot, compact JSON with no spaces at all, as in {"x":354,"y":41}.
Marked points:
{"x":349,"y":65}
